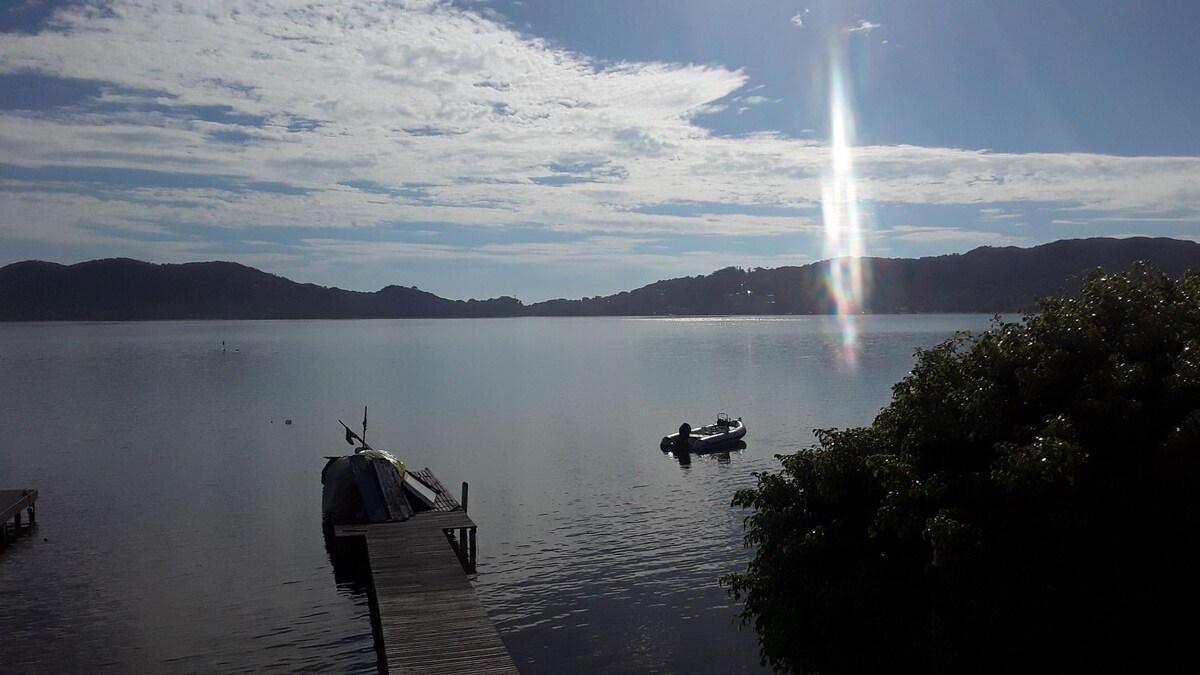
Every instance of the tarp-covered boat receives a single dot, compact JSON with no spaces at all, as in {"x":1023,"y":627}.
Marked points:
{"x":371,"y":486}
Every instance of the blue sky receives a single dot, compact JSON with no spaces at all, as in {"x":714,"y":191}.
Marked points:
{"x":550,"y":148}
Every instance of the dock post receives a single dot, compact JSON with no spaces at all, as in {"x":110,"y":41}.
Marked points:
{"x":471,"y":546}
{"x":466,"y":547}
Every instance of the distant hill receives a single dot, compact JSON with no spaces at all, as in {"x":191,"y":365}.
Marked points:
{"x":984,"y":280}
{"x":120,"y":289}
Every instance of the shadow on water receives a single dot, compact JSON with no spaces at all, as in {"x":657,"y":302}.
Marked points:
{"x":352,"y":574}
{"x":723,"y":453}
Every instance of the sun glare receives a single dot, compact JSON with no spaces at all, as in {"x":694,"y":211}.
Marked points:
{"x":845,"y":276}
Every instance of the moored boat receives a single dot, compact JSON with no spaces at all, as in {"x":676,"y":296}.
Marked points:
{"x":724,"y":431}
{"x":371,"y":486}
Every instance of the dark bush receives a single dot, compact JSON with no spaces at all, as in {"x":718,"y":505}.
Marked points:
{"x":1029,"y":501}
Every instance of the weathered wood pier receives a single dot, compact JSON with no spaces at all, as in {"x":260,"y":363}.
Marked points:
{"x":12,"y":503}
{"x":426,"y":615}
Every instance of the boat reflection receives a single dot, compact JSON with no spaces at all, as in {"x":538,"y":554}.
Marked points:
{"x":352,"y":575}
{"x":347,"y":557}
{"x":723,"y":454}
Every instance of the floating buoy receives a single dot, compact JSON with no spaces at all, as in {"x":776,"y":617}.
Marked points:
{"x":287,"y":421}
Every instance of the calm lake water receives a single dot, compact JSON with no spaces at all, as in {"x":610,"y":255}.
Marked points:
{"x":179,"y":524}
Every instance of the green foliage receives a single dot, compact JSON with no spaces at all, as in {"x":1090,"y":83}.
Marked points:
{"x":1027,"y":501}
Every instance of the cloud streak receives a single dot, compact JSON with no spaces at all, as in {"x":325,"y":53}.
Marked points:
{"x":863,"y":26}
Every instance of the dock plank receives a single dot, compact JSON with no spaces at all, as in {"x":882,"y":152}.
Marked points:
{"x":430,"y":619}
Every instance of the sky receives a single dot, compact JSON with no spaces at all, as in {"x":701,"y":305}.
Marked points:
{"x":564,"y":149}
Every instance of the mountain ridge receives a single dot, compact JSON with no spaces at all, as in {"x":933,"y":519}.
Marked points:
{"x":983,"y":280}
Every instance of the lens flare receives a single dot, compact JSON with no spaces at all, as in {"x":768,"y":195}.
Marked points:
{"x":845,"y":278}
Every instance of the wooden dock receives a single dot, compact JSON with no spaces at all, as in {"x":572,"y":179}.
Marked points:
{"x":12,"y":503}
{"x":427,"y":617}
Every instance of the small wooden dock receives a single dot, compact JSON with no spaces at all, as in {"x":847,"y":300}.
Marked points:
{"x":12,"y":503}
{"x":427,"y":617}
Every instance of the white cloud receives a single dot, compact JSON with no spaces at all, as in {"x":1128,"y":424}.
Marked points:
{"x":1139,"y":218}
{"x":453,"y":119}
{"x":953,"y":234}
{"x":994,"y":214}
{"x":798,"y":19}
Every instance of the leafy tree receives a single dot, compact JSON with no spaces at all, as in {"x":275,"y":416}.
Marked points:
{"x":1029,"y":501}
